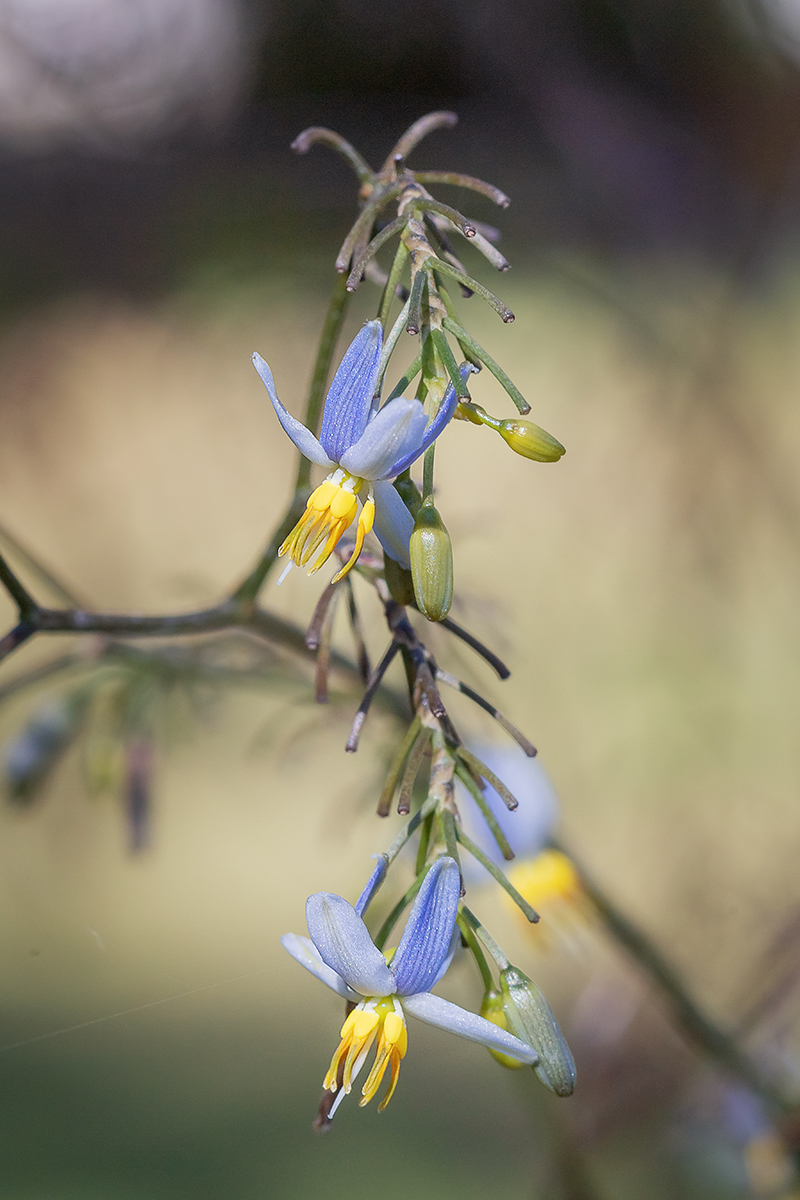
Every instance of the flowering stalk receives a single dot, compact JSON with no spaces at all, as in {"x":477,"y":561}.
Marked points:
{"x":368,"y":438}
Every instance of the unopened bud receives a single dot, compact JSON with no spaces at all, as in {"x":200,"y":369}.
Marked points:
{"x":431,"y":555}
{"x":493,"y":1009}
{"x":531,"y":441}
{"x":531,"y":1019}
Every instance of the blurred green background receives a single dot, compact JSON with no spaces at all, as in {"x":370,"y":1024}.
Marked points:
{"x":155,"y":231}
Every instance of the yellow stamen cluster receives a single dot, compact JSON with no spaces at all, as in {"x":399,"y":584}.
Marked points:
{"x":382,"y":1019}
{"x":330,"y":511}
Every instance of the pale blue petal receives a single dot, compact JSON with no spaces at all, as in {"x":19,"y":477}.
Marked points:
{"x":305,"y":952}
{"x":426,"y":937}
{"x":393,"y":522}
{"x":375,"y":880}
{"x":436,"y":1011}
{"x":394,"y":434}
{"x":446,"y":410}
{"x":344,"y":944}
{"x":455,"y":944}
{"x":349,"y":399}
{"x":303,"y":438}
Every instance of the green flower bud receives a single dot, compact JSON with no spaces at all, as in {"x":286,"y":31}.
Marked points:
{"x":493,"y":1009}
{"x":431,"y":555}
{"x":531,"y":441}
{"x":531,"y":1019}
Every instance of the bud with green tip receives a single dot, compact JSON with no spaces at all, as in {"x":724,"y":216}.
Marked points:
{"x":530,"y":440}
{"x":431,"y":555}
{"x":493,"y":1009}
{"x":531,"y":1019}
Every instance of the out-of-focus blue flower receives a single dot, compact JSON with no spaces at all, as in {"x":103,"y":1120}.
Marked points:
{"x":528,"y":828}
{"x":364,"y":448}
{"x":342,"y":954}
{"x":27,"y":759}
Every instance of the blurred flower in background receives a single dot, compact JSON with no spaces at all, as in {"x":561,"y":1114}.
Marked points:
{"x":111,"y":72}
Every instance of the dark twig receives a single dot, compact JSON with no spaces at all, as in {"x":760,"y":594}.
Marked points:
{"x":470,"y":640}
{"x":16,"y":590}
{"x":369,"y":694}
{"x":519,"y":738}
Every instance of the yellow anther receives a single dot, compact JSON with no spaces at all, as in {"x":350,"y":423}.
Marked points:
{"x":329,"y":512}
{"x":320,"y":498}
{"x":343,"y":506}
{"x":376,"y":1018}
{"x":363,"y":528}
{"x":394,"y":1027}
{"x":364,"y":1024}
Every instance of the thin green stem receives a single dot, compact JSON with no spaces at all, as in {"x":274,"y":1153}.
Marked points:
{"x":317,"y":133}
{"x":497,"y":874}
{"x":450,"y":834}
{"x":414,"y":323}
{"x":447,"y":211}
{"x":464,"y":181}
{"x":399,"y":761}
{"x":390,"y":344}
{"x":380,"y":239}
{"x":334,"y":319}
{"x":398,"y":910}
{"x":465,"y":340}
{"x":480,"y":768}
{"x":487,"y":814}
{"x":450,"y":364}
{"x":488,"y":297}
{"x":413,"y":825}
{"x":474,"y":947}
{"x":425,"y":837}
{"x":416,"y":132}
{"x":410,"y":375}
{"x":413,"y":763}
{"x":427,"y":473}
{"x":390,"y":290}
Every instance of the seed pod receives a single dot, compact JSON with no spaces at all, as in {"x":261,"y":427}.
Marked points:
{"x":531,"y":441}
{"x":431,"y":554}
{"x":493,"y":1009}
{"x":531,"y":1019}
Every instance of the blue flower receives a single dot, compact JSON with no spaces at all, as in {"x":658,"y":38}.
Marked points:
{"x":342,"y":954}
{"x":365,"y":448}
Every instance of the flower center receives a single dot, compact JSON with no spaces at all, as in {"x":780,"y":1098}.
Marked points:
{"x":329,"y":512}
{"x":376,"y":1017}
